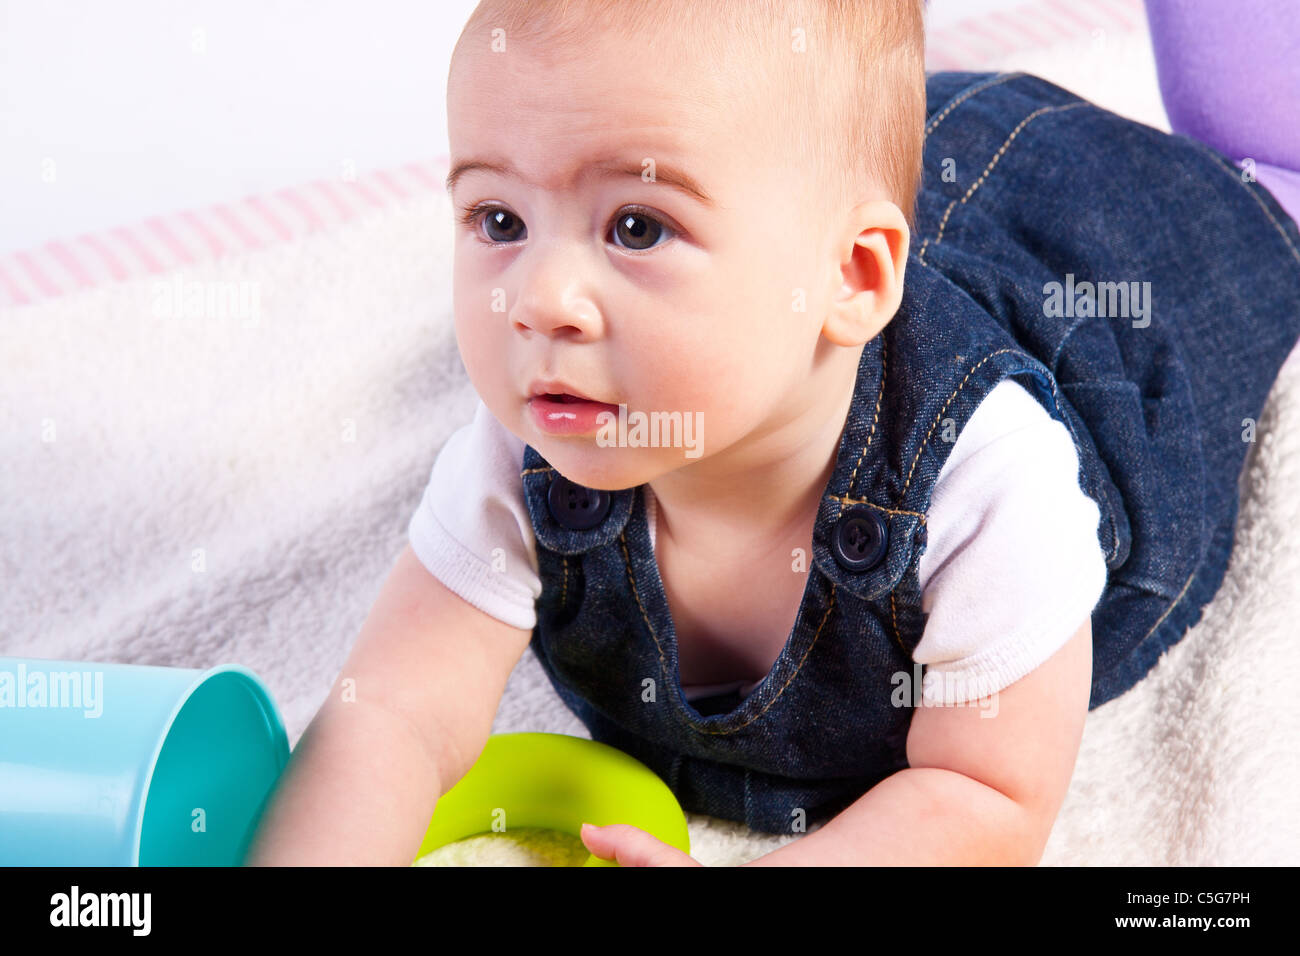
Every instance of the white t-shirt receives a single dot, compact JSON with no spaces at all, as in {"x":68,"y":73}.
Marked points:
{"x":1012,"y":568}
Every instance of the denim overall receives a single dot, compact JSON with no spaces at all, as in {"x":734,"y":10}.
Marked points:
{"x":1040,"y":184}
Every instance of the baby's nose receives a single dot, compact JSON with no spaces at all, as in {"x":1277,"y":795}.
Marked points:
{"x":552,"y":301}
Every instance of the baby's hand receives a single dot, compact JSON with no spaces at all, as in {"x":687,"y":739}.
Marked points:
{"x":632,"y":846}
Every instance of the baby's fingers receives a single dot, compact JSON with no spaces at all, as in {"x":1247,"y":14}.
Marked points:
{"x":631,"y":846}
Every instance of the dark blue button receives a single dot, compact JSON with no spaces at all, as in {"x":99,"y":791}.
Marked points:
{"x":575,"y":506}
{"x":860,"y":538}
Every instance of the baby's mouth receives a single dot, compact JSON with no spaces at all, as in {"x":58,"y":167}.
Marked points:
{"x":560,"y":413}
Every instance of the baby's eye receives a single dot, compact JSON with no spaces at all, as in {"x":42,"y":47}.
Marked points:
{"x":638,"y":230}
{"x":506,"y":225}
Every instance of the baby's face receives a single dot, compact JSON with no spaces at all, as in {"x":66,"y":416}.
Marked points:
{"x":598,"y":264}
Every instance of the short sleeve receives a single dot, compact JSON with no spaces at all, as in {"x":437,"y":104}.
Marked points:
{"x":1013,"y":565}
{"x":471,"y":529}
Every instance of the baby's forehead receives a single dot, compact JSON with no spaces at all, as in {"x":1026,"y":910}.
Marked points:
{"x":658,"y":97}
{"x":698,"y":51}
{"x":680,"y":107}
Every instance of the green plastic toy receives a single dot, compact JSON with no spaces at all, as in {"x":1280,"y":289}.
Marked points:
{"x":558,"y":782}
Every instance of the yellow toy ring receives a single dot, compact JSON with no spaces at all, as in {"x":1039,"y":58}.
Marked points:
{"x":559,"y":782}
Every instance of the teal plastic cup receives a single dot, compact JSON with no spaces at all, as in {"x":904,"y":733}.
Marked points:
{"x":131,"y":765}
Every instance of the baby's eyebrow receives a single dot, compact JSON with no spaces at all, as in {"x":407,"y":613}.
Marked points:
{"x":669,"y":176}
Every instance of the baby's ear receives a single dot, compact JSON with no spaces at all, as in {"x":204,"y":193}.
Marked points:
{"x":872,"y":263}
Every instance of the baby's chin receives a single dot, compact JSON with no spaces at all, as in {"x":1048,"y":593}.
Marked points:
{"x":581,"y":460}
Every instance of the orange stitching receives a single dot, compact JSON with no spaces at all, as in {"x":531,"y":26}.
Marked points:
{"x":934,"y":123}
{"x":989,"y":168}
{"x":627,"y":562}
{"x":845,"y":499}
{"x":564,"y":595}
{"x":884,"y":368}
{"x":939,"y":416}
{"x":532,"y":471}
{"x":893,"y":612}
{"x":1169,"y":608}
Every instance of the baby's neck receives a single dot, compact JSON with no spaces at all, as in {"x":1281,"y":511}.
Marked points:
{"x":760,"y":489}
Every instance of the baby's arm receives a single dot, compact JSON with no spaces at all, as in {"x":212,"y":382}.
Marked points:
{"x":429,"y":670}
{"x":984,"y":783}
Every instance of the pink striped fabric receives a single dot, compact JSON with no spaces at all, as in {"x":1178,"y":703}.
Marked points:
{"x":973,"y":43}
{"x":162,"y":243}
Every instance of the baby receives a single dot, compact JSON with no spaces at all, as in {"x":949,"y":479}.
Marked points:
{"x":834,"y":553}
